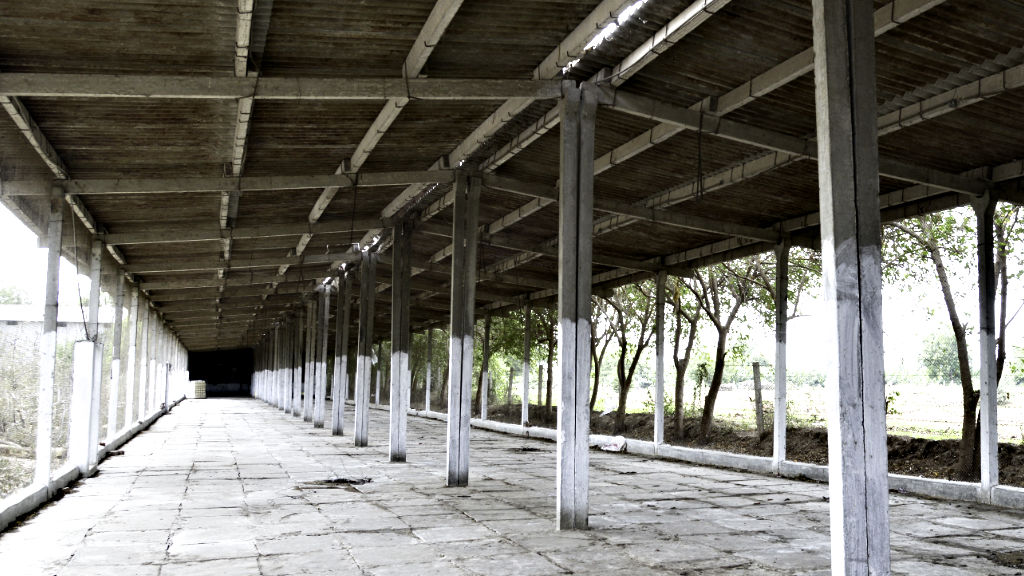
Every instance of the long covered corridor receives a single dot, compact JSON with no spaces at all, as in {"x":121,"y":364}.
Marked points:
{"x":233,"y":486}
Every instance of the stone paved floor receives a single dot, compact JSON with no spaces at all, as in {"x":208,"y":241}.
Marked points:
{"x":225,"y":487}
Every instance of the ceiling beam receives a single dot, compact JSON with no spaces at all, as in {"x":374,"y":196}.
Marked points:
{"x":886,"y":18}
{"x":658,"y":110}
{"x":430,"y":34}
{"x":178,"y":265}
{"x":244,"y":184}
{"x":953,"y":99}
{"x":176,"y":234}
{"x":663,"y":40}
{"x":642,"y":213}
{"x":34,"y":135}
{"x":59,"y":85}
{"x":550,"y":69}
{"x":684,"y":23}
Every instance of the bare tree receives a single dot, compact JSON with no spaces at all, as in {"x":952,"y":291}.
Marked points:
{"x":686,"y":313}
{"x":721,"y":291}
{"x":601,"y":334}
{"x":634,"y":328}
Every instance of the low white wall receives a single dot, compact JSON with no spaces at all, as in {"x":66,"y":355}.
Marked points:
{"x":28,"y":499}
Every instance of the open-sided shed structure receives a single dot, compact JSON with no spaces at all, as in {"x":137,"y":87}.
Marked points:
{"x":454,"y":157}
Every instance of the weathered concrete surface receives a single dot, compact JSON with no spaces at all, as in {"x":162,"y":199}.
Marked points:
{"x":225,"y":487}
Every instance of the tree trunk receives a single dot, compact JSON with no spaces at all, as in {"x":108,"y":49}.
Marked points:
{"x":716,"y":383}
{"x":1003,"y":279}
{"x":551,"y":365}
{"x":965,"y":461}
{"x":620,"y":369}
{"x":444,"y":385}
{"x":681,"y":366}
{"x":598,"y":357}
{"x":626,"y":380}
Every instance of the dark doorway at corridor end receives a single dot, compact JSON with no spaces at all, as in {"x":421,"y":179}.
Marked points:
{"x":226,"y":372}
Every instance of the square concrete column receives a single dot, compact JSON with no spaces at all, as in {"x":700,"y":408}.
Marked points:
{"x":844,"y":67}
{"x":575,"y":233}
{"x":115,"y":362}
{"x":152,"y":352}
{"x":93,"y":333}
{"x":320,"y":394}
{"x":297,"y":357}
{"x":430,"y":368}
{"x":339,"y":391}
{"x":460,"y":345}
{"x":143,"y":355}
{"x":281,"y":371}
{"x":280,"y":341}
{"x":309,"y":371}
{"x":659,"y":353}
{"x":401,"y":377}
{"x":364,"y":345}
{"x":781,"y":316}
{"x":129,"y":371}
{"x":48,"y":342}
{"x":377,"y":370}
{"x":984,"y":209}
{"x":524,"y":416}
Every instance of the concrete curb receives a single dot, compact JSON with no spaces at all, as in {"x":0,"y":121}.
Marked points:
{"x":1002,"y":496}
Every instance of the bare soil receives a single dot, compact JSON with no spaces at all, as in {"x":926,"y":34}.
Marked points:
{"x":907,"y":455}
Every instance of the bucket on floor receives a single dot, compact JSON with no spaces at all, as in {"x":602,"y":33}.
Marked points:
{"x":200,"y":388}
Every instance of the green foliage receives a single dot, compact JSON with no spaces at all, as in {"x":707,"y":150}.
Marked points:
{"x":939,"y":359}
{"x":14,"y":474}
{"x":1017,"y":367}
{"x":906,"y":245}
{"x":12,"y":295}
{"x":669,"y":408}
{"x":890,"y":403}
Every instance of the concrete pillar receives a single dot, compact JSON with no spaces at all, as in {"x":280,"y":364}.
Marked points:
{"x":48,"y":342}
{"x":320,"y":395}
{"x":93,"y":332}
{"x":280,"y":343}
{"x":143,"y":361}
{"x":129,"y":371}
{"x":984,"y":209}
{"x":659,"y":351}
{"x":151,"y":353}
{"x":847,"y":118}
{"x":485,"y":368}
{"x":430,"y":368}
{"x":286,"y":365}
{"x":340,"y":387}
{"x":575,"y":233}
{"x":401,"y":340}
{"x":781,"y":315}
{"x":115,"y":362}
{"x":79,"y":445}
{"x":527,"y":344}
{"x":309,"y":372}
{"x":274,"y":366}
{"x":377,"y":369}
{"x":460,"y":355}
{"x":299,"y":334}
{"x":364,"y":345}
